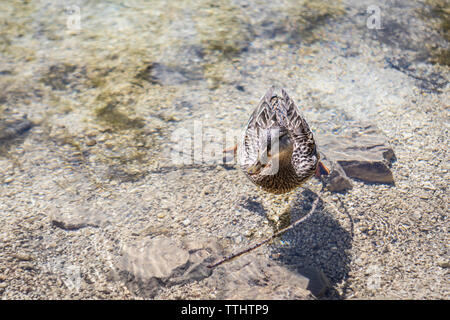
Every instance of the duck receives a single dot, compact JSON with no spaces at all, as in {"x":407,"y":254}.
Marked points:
{"x":278,"y":152}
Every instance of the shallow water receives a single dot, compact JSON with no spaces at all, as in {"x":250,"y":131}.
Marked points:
{"x":133,"y":101}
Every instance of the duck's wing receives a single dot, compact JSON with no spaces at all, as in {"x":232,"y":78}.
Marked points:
{"x":290,"y":117}
{"x":305,"y":155}
{"x":264,"y":117}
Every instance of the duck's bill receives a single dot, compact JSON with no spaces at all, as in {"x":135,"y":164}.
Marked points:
{"x":255,"y":168}
{"x":322,"y":170}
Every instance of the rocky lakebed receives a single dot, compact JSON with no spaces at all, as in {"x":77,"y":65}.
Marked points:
{"x":114,"y":114}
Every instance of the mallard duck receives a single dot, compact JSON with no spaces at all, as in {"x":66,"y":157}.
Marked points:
{"x":278,"y":151}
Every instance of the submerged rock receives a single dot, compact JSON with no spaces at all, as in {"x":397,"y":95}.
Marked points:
{"x":11,"y":129}
{"x":337,"y":180}
{"x":74,"y":217}
{"x":156,"y":262}
{"x":254,"y":276}
{"x":61,"y":76}
{"x":318,"y":282}
{"x":361,"y":151}
{"x":168,"y":75}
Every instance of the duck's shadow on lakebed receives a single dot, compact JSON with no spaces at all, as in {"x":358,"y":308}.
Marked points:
{"x":318,"y":246}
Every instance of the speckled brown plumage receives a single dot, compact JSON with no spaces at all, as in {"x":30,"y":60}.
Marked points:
{"x":278,"y":151}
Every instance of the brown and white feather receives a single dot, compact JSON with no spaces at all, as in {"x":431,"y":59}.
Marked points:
{"x":298,"y":157}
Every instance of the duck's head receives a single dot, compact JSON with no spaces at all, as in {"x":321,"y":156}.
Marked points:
{"x":275,"y":150}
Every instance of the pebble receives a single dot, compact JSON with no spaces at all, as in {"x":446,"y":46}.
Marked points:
{"x":207,"y":190}
{"x":429,"y":186}
{"x":91,"y":142}
{"x":248,"y":233}
{"x":27,"y":266}
{"x":52,"y":245}
{"x":23,"y":256}
{"x":102,"y":138}
{"x":9,"y":180}
{"x":417,"y":215}
{"x":443,"y":264}
{"x":92,"y":133}
{"x":186,"y":222}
